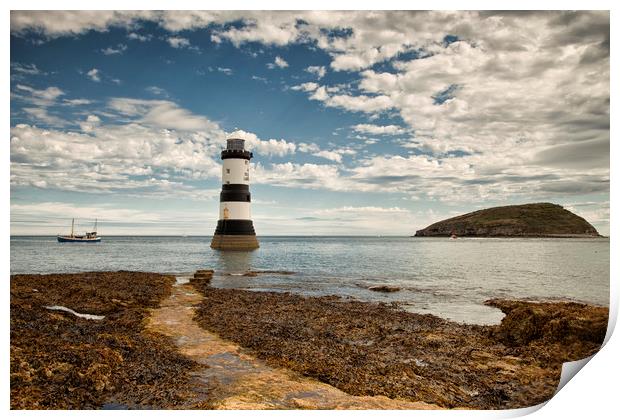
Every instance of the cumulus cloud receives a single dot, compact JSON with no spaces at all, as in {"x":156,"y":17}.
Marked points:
{"x":507,"y":106}
{"x":319,"y":71}
{"x":55,"y":23}
{"x":139,"y":37}
{"x":306,"y":87}
{"x":178,"y":42}
{"x":271,"y":147}
{"x":94,"y":75}
{"x":379,"y":129}
{"x":129,"y":158}
{"x":329,"y":155}
{"x":278,"y":62}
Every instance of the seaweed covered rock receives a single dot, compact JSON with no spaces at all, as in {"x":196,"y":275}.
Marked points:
{"x":63,"y":361}
{"x":568,"y":330}
{"x":368,"y":348}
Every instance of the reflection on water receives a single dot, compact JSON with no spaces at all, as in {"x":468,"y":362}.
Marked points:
{"x":451,"y":279}
{"x":235,"y":261}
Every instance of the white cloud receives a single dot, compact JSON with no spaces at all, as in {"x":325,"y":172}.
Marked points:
{"x":278,"y":62}
{"x":306,"y":87}
{"x":138,"y":37}
{"x":91,"y":122}
{"x":306,"y":175}
{"x":502,"y":113}
{"x":124,"y":158}
{"x":156,"y":90}
{"x":39,"y":97}
{"x":29,"y":69}
{"x":94,"y":75}
{"x":318,"y":70}
{"x":76,"y":102}
{"x":119,"y":49}
{"x":359,"y":103}
{"x":54,"y":217}
{"x":308,"y":147}
{"x":225,"y":70}
{"x":271,"y":147}
{"x":362,"y":103}
{"x":260,"y":79}
{"x":161,"y":114}
{"x":361,"y":210}
{"x":178,"y":42}
{"x":41,"y":115}
{"x":379,"y":129}
{"x":55,"y":23}
{"x":329,"y":155}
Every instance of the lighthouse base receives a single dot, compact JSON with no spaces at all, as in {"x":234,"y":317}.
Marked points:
{"x":234,"y":242}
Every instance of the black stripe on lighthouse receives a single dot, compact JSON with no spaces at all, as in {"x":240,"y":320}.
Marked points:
{"x":234,"y":227}
{"x":235,"y":192}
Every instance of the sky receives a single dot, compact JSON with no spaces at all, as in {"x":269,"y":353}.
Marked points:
{"x":361,"y":123}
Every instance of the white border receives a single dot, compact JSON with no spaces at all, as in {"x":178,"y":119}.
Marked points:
{"x":592,"y":394}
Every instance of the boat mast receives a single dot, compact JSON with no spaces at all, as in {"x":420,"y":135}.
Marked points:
{"x":95,"y":226}
{"x":72,"y":221}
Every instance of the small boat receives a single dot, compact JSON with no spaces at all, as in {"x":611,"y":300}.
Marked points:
{"x":87,"y":237}
{"x":453,"y":235}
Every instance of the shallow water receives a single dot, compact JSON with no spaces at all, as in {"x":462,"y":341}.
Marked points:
{"x":448,"y":278}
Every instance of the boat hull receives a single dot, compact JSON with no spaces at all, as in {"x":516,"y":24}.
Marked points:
{"x":69,"y":239}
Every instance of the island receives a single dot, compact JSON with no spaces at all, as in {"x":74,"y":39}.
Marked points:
{"x":525,"y":220}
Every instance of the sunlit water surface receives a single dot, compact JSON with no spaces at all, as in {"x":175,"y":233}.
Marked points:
{"x":448,"y":278}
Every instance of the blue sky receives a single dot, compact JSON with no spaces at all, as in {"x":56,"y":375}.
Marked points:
{"x":360,"y":123}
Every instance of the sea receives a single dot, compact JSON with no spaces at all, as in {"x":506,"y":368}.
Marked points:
{"x":448,"y":278}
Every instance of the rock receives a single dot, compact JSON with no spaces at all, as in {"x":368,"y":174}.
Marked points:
{"x":59,"y":361}
{"x":366,"y":348}
{"x":255,"y":273}
{"x":386,"y":289}
{"x":527,"y":220}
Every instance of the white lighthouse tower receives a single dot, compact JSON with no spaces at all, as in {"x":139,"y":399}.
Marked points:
{"x":235,"y":230}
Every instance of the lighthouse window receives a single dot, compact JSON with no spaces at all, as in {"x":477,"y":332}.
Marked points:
{"x":227,"y":170}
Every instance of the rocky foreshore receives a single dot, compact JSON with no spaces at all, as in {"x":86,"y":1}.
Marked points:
{"x":64,"y":361}
{"x":61,"y":358}
{"x":367,"y":348}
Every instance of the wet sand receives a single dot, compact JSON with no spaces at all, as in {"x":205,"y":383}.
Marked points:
{"x":164,"y":344}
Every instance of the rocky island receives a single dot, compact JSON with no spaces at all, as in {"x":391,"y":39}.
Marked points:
{"x":526,"y":220}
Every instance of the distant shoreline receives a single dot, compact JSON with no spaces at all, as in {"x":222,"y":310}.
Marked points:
{"x":559,"y":236}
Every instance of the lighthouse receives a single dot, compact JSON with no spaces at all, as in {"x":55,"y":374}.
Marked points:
{"x":235,"y":230}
